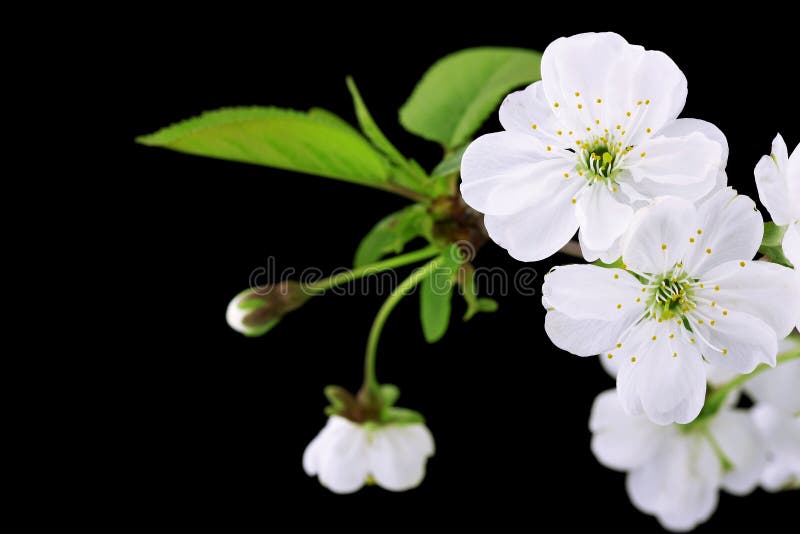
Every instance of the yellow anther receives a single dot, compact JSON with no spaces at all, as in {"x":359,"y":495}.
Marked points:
{"x":648,"y":130}
{"x":716,"y":288}
{"x":599,"y":100}
{"x":588,"y":129}
{"x":654,"y":338}
{"x":708,"y":251}
{"x":555,"y":105}
{"x":639,"y":103}
{"x":618,"y":126}
{"x":646,"y":102}
{"x":700,"y":321}
{"x":580,"y":106}
{"x":643,"y":154}
{"x":597,"y":121}
{"x":610,"y":355}
{"x":549,"y":148}
{"x":638,"y":299}
{"x":713,"y":323}
{"x":724,"y":312}
{"x":724,"y":352}
{"x":616,"y":277}
{"x":699,"y":231}
{"x":559,"y":132}
{"x":577,"y":93}
{"x":633,"y":359}
{"x":628,"y":113}
{"x":691,"y":240}
{"x":619,"y":306}
{"x":534,"y":126}
{"x":566,"y":175}
{"x":713,"y":303}
{"x":741,"y":264}
{"x":692,"y":340}
{"x":672,"y":336}
{"x":663,"y":246}
{"x":674,"y":354}
{"x":619,"y":345}
{"x":574,"y":201}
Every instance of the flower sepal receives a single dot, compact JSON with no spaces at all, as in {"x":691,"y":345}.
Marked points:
{"x":256,"y":311}
{"x":370,"y":407}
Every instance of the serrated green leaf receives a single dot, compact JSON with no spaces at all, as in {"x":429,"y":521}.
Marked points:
{"x":392,"y":233}
{"x":450,"y":164}
{"x":773,"y":235}
{"x":436,"y":291}
{"x":316,"y":142}
{"x":456,"y":95}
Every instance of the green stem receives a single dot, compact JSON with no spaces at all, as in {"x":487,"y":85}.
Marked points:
{"x":370,"y":379}
{"x":716,"y":399}
{"x":391,"y":263}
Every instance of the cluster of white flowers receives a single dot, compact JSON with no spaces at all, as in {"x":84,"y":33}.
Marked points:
{"x":596,"y":147}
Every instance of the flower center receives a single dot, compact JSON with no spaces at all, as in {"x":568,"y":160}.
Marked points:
{"x":671,"y":295}
{"x":600,"y":157}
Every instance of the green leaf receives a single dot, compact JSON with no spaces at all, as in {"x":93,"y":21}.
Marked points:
{"x":450,"y":164}
{"x":317,"y":142}
{"x":773,"y":234}
{"x":435,"y":295}
{"x":392,"y":233}
{"x":459,"y":91}
{"x":407,"y":173}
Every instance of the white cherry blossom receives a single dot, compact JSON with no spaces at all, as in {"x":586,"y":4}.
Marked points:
{"x":345,"y":455}
{"x":778,"y":181}
{"x":687,"y":294}
{"x":675,"y":471}
{"x":588,"y":145}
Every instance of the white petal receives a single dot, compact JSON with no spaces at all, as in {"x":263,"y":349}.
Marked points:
{"x":538,"y":231}
{"x":655,"y":81}
{"x":738,"y":341}
{"x":682,"y":166}
{"x":342,"y":462}
{"x":658,"y":235}
{"x":621,"y":441}
{"x":587,"y":337}
{"x":779,"y":387}
{"x":610,"y":365}
{"x":504,"y":172}
{"x":679,"y":486}
{"x":791,"y":244}
{"x":575,"y":71}
{"x":765,"y":290}
{"x":664,"y":377}
{"x":793,"y":182}
{"x":609,"y":255}
{"x":603,"y":216}
{"x":684,"y":127}
{"x":592,"y":292}
{"x":773,"y":189}
{"x":782,"y":435}
{"x":742,"y":445}
{"x":397,"y":456}
{"x":521,"y":110}
{"x":235,"y":315}
{"x":729,"y":226}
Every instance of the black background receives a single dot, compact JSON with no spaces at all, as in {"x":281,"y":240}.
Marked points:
{"x":221,"y":421}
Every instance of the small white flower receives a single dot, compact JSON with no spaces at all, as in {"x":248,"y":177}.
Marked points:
{"x":778,"y":181}
{"x":345,"y":455}
{"x":588,"y":145}
{"x":674,"y":471}
{"x":688,"y":293}
{"x":777,"y":416}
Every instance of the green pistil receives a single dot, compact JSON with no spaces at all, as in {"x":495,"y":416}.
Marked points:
{"x":599,"y":159}
{"x":671,"y":296}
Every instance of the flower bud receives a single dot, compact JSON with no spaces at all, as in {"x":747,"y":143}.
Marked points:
{"x":254,"y":311}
